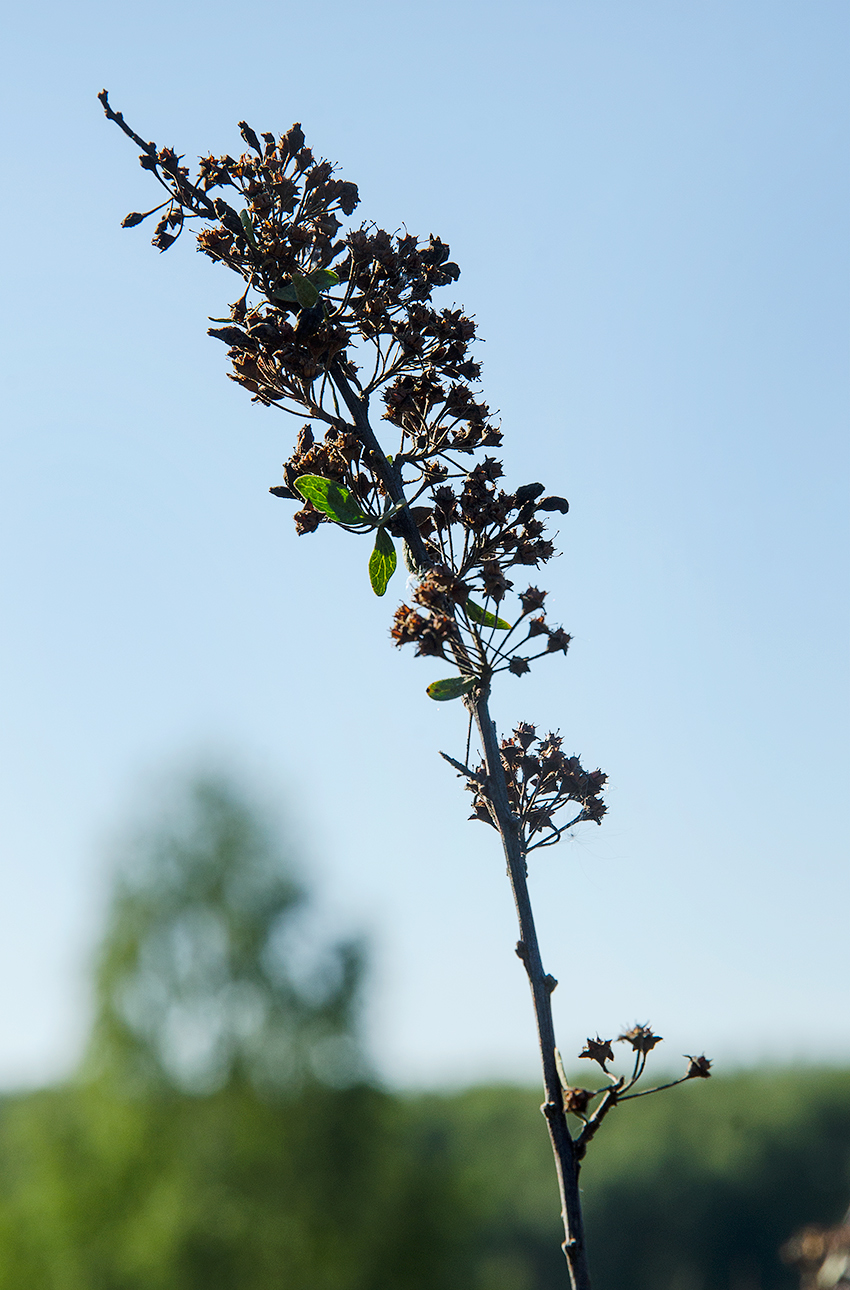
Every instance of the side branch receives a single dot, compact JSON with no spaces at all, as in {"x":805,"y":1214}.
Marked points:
{"x":118,"y":118}
{"x":384,"y":469}
{"x":463,"y":770}
{"x":591,"y":1127}
{"x":203,"y":202}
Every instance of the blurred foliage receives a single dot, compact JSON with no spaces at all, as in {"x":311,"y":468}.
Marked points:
{"x":224,"y":1132}
{"x":694,"y":1189}
{"x":204,"y":978}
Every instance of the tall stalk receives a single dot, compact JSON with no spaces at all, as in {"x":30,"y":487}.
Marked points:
{"x":510,"y":831}
{"x":542,"y":985}
{"x":325,"y":326}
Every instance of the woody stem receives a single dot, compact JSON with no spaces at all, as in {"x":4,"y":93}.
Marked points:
{"x":542,"y":985}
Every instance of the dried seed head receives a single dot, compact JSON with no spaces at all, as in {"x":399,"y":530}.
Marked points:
{"x":641,"y":1038}
{"x":598,"y":1050}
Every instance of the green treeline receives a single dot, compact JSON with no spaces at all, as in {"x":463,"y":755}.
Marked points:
{"x":356,"y":1189}
{"x":224,"y":1133}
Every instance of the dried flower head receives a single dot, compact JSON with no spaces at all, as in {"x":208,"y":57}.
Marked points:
{"x":641,"y":1038}
{"x":576,"y":1100}
{"x":598,"y":1050}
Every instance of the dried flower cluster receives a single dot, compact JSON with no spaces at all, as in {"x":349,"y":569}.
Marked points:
{"x":642,"y":1041}
{"x":578,"y":1101}
{"x":540,"y":780}
{"x":329,"y":318}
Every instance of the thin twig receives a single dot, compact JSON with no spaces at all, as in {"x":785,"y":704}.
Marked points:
{"x":591,"y":1128}
{"x":151,"y":150}
{"x":464,"y":770}
{"x":658,"y":1088}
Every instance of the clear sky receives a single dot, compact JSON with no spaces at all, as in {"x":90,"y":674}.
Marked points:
{"x":649,"y":205}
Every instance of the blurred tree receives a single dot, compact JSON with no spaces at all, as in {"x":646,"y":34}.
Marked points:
{"x":222,"y":1132}
{"x":203,"y":979}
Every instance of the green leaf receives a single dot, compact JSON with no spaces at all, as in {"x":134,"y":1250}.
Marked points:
{"x":334,"y":500}
{"x":478,"y":615}
{"x":305,"y":293}
{"x":382,"y":562}
{"x":248,"y":227}
{"x":323,"y":278}
{"x":452,"y":688}
{"x":318,"y":280}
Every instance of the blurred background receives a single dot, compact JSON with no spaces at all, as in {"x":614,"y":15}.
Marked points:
{"x":648,"y":203}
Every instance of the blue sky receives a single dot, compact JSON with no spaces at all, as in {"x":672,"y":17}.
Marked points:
{"x":648,"y":202}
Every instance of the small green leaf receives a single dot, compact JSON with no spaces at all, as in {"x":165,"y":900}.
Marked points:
{"x":478,"y":615}
{"x":323,"y":278}
{"x":382,"y":562}
{"x":309,"y":285}
{"x":334,"y":500}
{"x":248,"y":227}
{"x":305,"y":293}
{"x":452,"y":688}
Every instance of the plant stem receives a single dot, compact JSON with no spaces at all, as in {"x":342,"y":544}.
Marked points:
{"x":542,"y":985}
{"x":528,"y":949}
{"x":386,"y":472}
